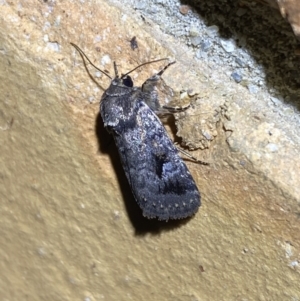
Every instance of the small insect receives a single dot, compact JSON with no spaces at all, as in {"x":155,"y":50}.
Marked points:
{"x":134,"y":43}
{"x":159,"y":179}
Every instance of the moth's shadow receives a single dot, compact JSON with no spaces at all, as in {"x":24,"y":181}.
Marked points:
{"x":141,"y":224}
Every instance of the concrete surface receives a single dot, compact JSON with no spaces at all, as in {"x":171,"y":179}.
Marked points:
{"x":69,"y":227}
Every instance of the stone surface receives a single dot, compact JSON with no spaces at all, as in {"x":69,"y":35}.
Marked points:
{"x":69,"y":227}
{"x":290,"y":10}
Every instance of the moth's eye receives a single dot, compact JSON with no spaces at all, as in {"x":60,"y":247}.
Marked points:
{"x":127,"y":81}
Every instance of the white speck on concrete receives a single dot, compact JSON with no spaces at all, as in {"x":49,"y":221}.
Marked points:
{"x":105,"y":60}
{"x":96,"y":90}
{"x":228,"y":45}
{"x":47,"y":25}
{"x":97,"y":39}
{"x":98,"y":74}
{"x":272,"y":147}
{"x":212,"y":30}
{"x":53,"y":46}
{"x":46,"y":38}
{"x":277,"y":100}
{"x":57,"y":21}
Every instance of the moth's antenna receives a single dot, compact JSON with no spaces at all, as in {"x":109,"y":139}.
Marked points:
{"x":116,"y":69}
{"x":84,"y":55}
{"x":147,"y":64}
{"x":164,"y":69}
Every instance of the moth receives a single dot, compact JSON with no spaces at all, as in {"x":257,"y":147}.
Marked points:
{"x":159,"y":179}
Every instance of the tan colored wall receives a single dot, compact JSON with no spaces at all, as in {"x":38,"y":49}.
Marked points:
{"x":69,"y":228}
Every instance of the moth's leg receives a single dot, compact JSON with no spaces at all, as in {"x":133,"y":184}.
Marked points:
{"x":155,"y":90}
{"x":173,"y":110}
{"x":190,"y":156}
{"x":157,"y":95}
{"x":154,"y":81}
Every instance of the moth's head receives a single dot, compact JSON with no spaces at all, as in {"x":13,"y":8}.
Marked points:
{"x":123,"y":81}
{"x":127,"y":81}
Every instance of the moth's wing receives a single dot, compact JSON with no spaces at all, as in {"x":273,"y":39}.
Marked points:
{"x":159,"y":179}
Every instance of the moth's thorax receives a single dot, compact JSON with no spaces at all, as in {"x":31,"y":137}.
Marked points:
{"x":118,"y":103}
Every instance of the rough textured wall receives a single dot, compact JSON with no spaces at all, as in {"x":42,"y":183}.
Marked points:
{"x":290,"y":10}
{"x":69,"y":227}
